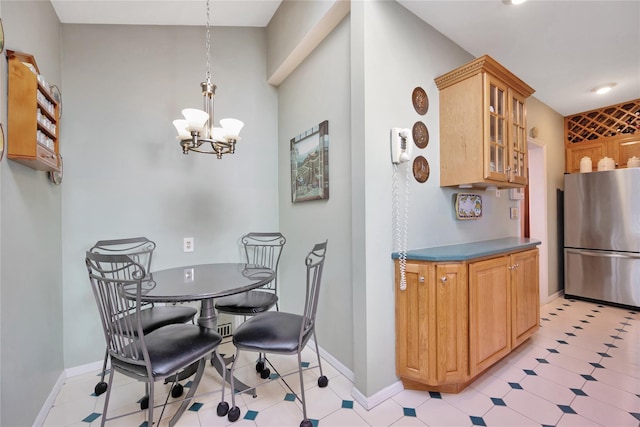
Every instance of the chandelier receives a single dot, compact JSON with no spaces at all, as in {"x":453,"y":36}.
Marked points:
{"x":196,"y":132}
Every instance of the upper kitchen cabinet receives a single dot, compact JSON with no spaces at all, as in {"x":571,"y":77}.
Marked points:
{"x":33,"y":116}
{"x":483,"y":138}
{"x":612,"y":131}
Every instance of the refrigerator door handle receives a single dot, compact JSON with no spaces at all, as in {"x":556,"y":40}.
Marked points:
{"x":603,"y":254}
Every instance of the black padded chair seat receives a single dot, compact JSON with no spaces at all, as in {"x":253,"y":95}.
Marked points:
{"x":158,"y":316}
{"x":271,"y":332}
{"x":166,"y":359}
{"x":248,"y":303}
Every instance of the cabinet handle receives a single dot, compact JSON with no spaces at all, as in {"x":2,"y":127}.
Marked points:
{"x":421,"y":279}
{"x":511,"y":267}
{"x":443,"y":279}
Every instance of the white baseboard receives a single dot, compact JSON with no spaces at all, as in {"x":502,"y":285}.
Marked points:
{"x":371,"y":402}
{"x":84,"y":369}
{"x":335,"y":363}
{"x":44,"y":411}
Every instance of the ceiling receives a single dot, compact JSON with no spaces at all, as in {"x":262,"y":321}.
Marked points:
{"x":562,"y":49}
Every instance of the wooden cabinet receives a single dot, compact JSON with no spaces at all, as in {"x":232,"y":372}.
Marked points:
{"x":525,"y":295}
{"x":33,"y":116}
{"x":489,"y":313}
{"x":432,"y":314}
{"x":612,"y":131}
{"x":483,"y":139}
{"x":456,"y":319}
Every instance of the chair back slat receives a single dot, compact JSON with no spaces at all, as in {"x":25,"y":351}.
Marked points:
{"x":315,"y":265}
{"x":264,"y":249}
{"x":116,"y":281}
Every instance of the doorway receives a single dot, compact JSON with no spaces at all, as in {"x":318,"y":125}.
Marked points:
{"x":535,"y":217}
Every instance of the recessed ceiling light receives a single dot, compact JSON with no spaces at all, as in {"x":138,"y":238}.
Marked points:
{"x":603,"y":88}
{"x":517,"y":1}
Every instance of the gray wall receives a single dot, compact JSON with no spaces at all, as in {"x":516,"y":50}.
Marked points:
{"x":31,"y":355}
{"x":125,"y":173}
{"x":318,"y":90}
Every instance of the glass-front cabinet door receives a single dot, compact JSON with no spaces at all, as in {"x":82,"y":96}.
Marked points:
{"x":496,"y":159}
{"x":518,"y":140}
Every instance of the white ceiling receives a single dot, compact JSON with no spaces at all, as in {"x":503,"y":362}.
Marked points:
{"x":562,"y":49}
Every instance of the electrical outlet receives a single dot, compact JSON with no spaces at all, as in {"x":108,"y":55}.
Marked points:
{"x":187,"y":245}
{"x":498,"y":193}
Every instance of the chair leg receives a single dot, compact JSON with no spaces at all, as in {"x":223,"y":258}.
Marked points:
{"x":106,"y":400}
{"x":234,"y":412}
{"x":305,"y":421}
{"x":323,"y":381}
{"x":190,"y":394}
{"x":101,"y":387}
{"x":223,"y":406}
{"x":150,"y":410}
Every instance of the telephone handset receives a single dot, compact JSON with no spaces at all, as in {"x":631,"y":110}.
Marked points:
{"x":401,"y":147}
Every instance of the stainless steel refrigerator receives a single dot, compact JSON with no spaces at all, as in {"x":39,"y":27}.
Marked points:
{"x":602,"y":236}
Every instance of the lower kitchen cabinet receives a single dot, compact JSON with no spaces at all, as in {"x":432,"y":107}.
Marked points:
{"x":456,"y":319}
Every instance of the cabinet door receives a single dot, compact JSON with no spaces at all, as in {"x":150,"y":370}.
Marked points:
{"x":575,"y":152}
{"x":489,"y":313}
{"x":451,"y":296}
{"x":518,"y":140}
{"x":622,"y":150}
{"x":412,"y":324}
{"x":496,"y":106}
{"x":525,"y":295}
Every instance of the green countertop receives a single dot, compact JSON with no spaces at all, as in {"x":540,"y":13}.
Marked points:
{"x":467,"y":251}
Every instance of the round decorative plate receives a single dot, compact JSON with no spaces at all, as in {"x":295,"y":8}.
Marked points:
{"x":56,"y":176}
{"x":1,"y":36}
{"x":421,"y":169}
{"x":420,"y":101}
{"x":420,"y":134}
{"x":1,"y":142}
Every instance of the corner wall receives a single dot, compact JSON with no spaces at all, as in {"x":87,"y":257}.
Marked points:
{"x":31,"y":353}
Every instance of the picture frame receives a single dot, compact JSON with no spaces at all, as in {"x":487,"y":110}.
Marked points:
{"x":468,"y":206}
{"x":310,"y":164}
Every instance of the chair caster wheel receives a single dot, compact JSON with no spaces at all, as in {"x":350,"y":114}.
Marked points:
{"x":323,"y":381}
{"x":264,"y":374}
{"x":177,"y":390}
{"x":100,"y":388}
{"x":306,"y":423}
{"x":260,"y":366}
{"x":144,"y":403}
{"x":234,"y":414}
{"x":223,"y":409}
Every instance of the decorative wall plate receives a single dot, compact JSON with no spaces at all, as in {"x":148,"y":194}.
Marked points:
{"x":1,"y":142}
{"x":421,"y":169}
{"x":420,"y":134}
{"x":420,"y":101}
{"x":468,"y":206}
{"x":1,"y":36}
{"x":56,"y":176}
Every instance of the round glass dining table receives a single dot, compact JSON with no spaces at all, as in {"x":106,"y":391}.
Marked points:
{"x":204,"y":283}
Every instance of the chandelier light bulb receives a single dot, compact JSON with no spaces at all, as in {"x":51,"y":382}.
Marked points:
{"x":196,"y":118}
{"x":181,"y":126}
{"x":232,"y":128}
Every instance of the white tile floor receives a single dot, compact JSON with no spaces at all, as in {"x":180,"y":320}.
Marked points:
{"x":581,"y":369}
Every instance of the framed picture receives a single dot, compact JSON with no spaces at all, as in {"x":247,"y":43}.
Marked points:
{"x":468,"y":206}
{"x":310,"y":164}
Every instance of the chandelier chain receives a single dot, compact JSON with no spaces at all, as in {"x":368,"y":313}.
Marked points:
{"x":208,"y":36}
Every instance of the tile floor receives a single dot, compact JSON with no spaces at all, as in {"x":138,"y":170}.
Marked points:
{"x":581,"y":369}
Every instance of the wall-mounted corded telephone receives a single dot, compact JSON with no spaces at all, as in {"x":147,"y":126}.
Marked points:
{"x":401,"y":146}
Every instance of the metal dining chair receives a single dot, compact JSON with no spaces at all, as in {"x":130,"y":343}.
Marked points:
{"x":140,"y":250}
{"x":118,"y":283}
{"x":262,"y":249}
{"x":284,"y":333}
